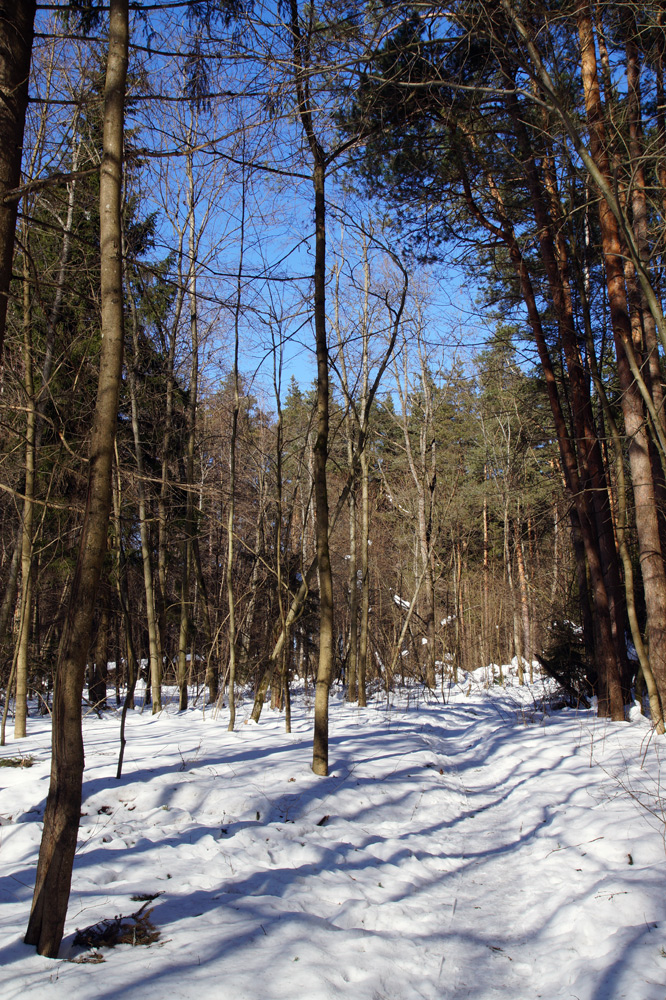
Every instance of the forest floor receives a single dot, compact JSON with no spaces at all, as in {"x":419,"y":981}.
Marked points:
{"x":479,"y":848}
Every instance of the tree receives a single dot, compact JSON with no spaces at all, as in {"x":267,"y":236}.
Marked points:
{"x":16,"y":37}
{"x":453,"y":102}
{"x":372,"y":311}
{"x":420,"y":444}
{"x":63,"y":806}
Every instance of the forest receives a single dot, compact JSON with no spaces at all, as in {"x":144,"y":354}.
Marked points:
{"x":332,"y":354}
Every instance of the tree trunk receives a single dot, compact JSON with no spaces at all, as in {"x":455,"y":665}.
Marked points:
{"x":154,"y":650}
{"x":352,"y":669}
{"x":603,"y":645}
{"x":351,"y":426}
{"x":590,"y":461}
{"x":486,"y":644}
{"x":186,"y":607}
{"x":63,"y":805}
{"x":325,"y":665}
{"x":16,"y":36}
{"x":645,"y":338}
{"x":647,"y":523}
{"x":163,"y":501}
{"x":363,"y":646}
{"x":12,"y":585}
{"x":508,"y":566}
{"x":524,"y":599}
{"x":56,"y":307}
{"x":99,"y":666}
{"x":23,"y":640}
{"x":132,"y":667}
{"x":231,"y":597}
{"x":424,"y":476}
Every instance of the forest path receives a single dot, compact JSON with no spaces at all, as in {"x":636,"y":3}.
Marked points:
{"x":474,"y":850}
{"x":549,"y":899}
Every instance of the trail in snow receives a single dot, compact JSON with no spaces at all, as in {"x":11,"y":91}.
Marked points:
{"x":473,"y":850}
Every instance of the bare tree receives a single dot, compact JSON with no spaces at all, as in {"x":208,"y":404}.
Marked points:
{"x":63,"y":806}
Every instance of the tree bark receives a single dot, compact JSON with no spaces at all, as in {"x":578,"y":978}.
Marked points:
{"x":231,"y":597}
{"x":154,"y":648}
{"x":424,"y":475}
{"x":23,"y":639}
{"x":99,"y":667}
{"x":16,"y":37}
{"x":647,"y":523}
{"x":606,"y":664}
{"x":364,"y":644}
{"x":186,"y":606}
{"x":352,"y":668}
{"x":325,"y":665}
{"x":524,"y":600}
{"x":351,"y":433}
{"x":63,"y":805}
{"x":590,"y":461}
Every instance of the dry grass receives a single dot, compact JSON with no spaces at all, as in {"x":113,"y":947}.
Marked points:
{"x":16,"y":761}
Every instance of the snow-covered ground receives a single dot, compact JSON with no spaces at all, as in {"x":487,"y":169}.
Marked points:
{"x":473,"y":849}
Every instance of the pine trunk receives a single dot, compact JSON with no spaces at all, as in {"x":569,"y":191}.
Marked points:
{"x":647,"y":522}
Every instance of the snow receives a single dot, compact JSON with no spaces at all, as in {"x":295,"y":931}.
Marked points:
{"x":479,"y":848}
